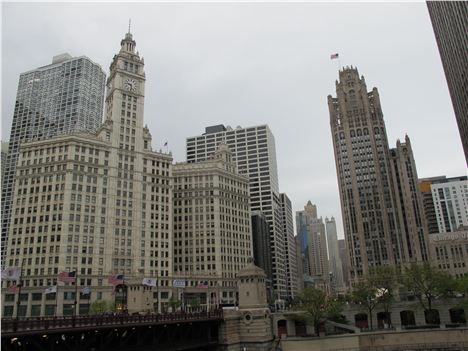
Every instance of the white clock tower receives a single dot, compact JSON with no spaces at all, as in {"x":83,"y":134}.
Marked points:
{"x":139,"y":198}
{"x":125,"y":98}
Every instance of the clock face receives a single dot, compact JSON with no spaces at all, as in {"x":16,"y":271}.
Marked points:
{"x":130,"y":85}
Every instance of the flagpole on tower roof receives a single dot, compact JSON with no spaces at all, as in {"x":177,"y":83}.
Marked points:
{"x":336,"y":56}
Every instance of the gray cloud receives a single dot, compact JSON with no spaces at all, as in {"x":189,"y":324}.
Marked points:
{"x":255,"y":63}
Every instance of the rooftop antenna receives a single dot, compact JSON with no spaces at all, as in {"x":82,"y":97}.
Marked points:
{"x":129,"y":24}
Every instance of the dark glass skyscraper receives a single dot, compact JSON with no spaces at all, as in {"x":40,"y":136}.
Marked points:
{"x":450,"y":23}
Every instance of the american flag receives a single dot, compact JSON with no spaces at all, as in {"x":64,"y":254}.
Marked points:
{"x":13,"y":289}
{"x":67,"y":277}
{"x":116,"y":279}
{"x":203,"y":285}
{"x":334,"y":56}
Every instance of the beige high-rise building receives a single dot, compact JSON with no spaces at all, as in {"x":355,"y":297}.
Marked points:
{"x":290,"y":246}
{"x":375,"y":231}
{"x":344,"y":255}
{"x":254,"y":151}
{"x":300,"y":262}
{"x":98,"y":204}
{"x":313,"y":239}
{"x":334,"y":259}
{"x":212,"y":229}
{"x":414,"y":243}
{"x":4,"y":153}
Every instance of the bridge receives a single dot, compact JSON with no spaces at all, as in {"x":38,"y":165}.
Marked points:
{"x":175,"y":331}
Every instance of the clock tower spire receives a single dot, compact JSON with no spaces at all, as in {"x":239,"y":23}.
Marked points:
{"x":125,"y":98}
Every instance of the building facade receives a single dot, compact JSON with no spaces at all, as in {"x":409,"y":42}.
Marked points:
{"x":312,"y":236}
{"x":290,"y":246}
{"x":254,"y":151}
{"x":261,"y":249}
{"x":343,"y":250}
{"x":450,"y":22}
{"x":4,"y":154}
{"x":450,"y":197}
{"x":98,"y":204}
{"x":374,"y":233}
{"x":334,"y":259}
{"x":449,"y":252}
{"x":409,"y":203}
{"x":428,"y":202}
{"x":212,"y":231}
{"x":63,"y":97}
{"x":300,"y":262}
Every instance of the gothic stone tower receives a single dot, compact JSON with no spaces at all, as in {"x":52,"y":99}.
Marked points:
{"x":363,"y":165}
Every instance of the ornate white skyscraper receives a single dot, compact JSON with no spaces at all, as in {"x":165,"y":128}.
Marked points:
{"x":99,"y":204}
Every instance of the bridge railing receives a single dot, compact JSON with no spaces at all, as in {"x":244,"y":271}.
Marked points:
{"x":32,"y":324}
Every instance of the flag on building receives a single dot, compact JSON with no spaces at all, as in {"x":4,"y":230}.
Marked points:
{"x":86,"y":290}
{"x":178,"y":283}
{"x":334,"y":56}
{"x":203,"y":285}
{"x":67,"y":277}
{"x":11,"y":273}
{"x":51,"y":289}
{"x":150,"y":281}
{"x":13,"y":289}
{"x":116,"y":279}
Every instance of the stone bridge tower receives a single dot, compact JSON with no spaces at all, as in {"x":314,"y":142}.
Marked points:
{"x":248,"y":327}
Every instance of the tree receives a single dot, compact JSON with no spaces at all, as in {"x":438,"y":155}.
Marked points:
{"x":101,"y":306}
{"x":384,"y":279}
{"x":317,"y":307}
{"x":174,"y":303}
{"x":366,"y":294}
{"x":427,"y":284}
{"x":111,"y":306}
{"x":461,"y":287}
{"x":195,"y":305}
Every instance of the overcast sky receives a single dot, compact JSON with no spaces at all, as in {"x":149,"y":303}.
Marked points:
{"x":254,"y":63}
